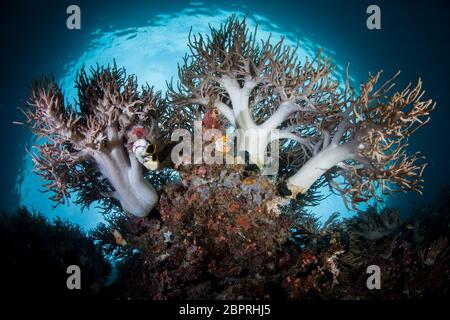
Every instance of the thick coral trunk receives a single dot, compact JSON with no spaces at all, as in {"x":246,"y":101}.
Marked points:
{"x":255,"y":142}
{"x":315,"y":167}
{"x":136,"y":195}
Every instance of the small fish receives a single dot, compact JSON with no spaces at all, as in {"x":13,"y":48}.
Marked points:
{"x":409,"y":226}
{"x":146,"y":153}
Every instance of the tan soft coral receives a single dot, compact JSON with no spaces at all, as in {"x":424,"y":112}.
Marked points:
{"x":354,"y":139}
{"x":87,"y":148}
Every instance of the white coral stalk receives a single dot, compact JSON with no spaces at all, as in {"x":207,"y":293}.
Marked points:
{"x":331,"y":131}
{"x":88,"y":151}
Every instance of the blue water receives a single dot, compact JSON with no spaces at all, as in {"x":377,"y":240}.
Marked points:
{"x":36,"y":42}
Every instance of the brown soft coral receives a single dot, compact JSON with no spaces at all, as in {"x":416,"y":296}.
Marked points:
{"x":85,"y":148}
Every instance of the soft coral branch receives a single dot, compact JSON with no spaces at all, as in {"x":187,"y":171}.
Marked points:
{"x":368,"y":147}
{"x":87,"y":150}
{"x":253,"y":86}
{"x":332,"y":130}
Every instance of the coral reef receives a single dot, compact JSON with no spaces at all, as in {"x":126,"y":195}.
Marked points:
{"x":227,"y":242}
{"x":211,"y":239}
{"x":230,"y":231}
{"x":215,"y":237}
